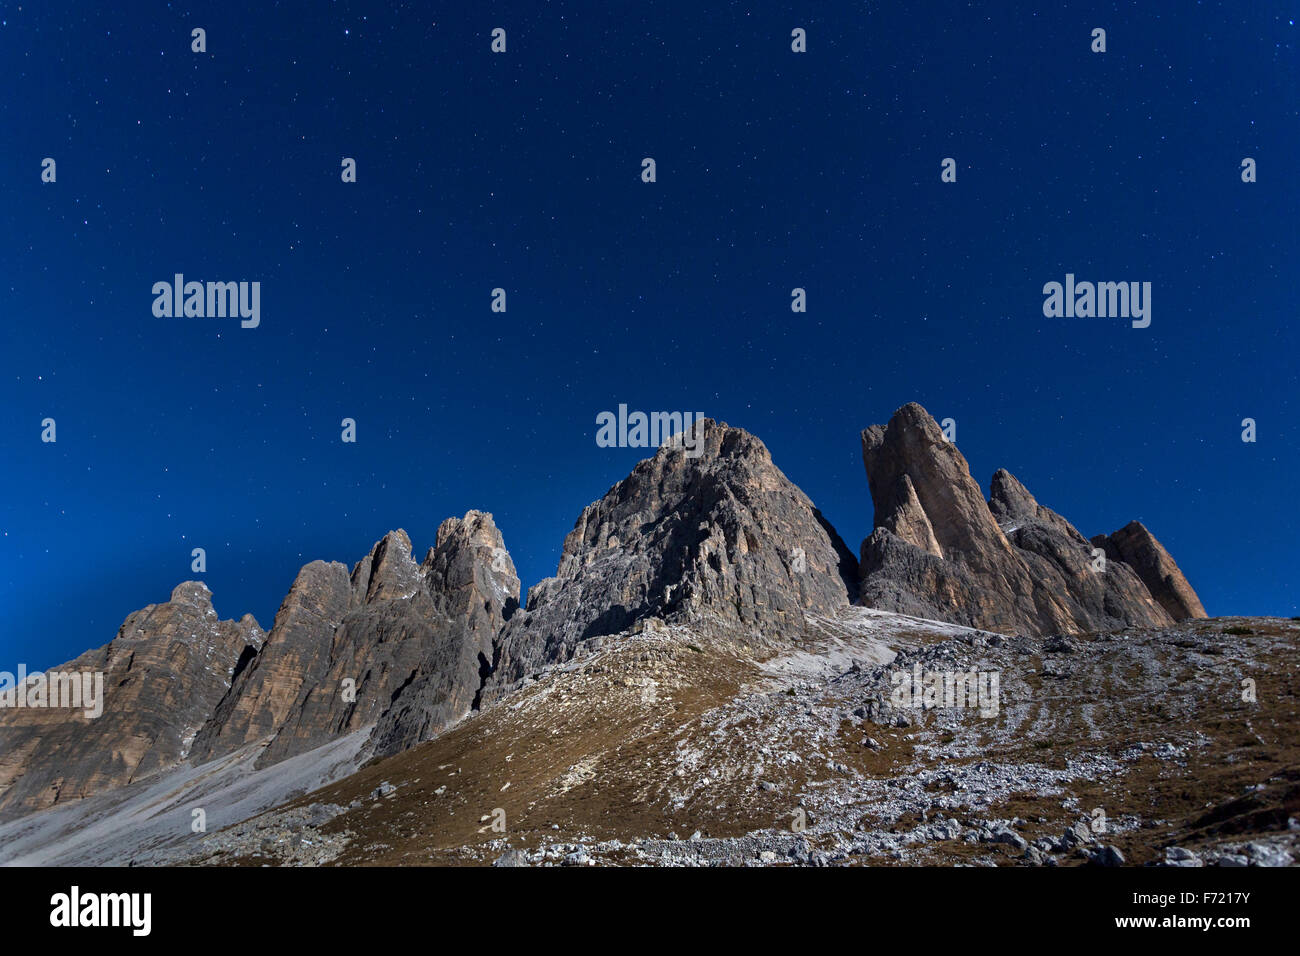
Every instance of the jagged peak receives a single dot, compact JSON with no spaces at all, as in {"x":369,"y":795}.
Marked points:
{"x":1041,"y":579}
{"x":708,"y":439}
{"x":388,"y":571}
{"x":910,"y":417}
{"x":912,"y":446}
{"x":198,"y":596}
{"x":1009,"y":499}
{"x":396,"y":541}
{"x":720,"y":536}
{"x":478,"y":525}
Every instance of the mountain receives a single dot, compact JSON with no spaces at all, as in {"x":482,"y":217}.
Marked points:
{"x":474,"y":590}
{"x":1009,"y":564}
{"x":295,"y":655}
{"x":707,"y":540}
{"x":721,"y":539}
{"x":395,"y":647}
{"x":396,"y":644}
{"x":163,"y":676}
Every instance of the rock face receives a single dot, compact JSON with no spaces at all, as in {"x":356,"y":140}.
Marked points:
{"x":367,"y":658}
{"x":1059,"y":558}
{"x":1137,"y":547}
{"x":296,"y":655}
{"x":474,"y":590}
{"x":722,"y":538}
{"x":398,"y":644}
{"x":163,"y":675}
{"x":940,"y":551}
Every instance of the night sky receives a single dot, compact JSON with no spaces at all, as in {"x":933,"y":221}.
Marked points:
{"x":522,"y":170}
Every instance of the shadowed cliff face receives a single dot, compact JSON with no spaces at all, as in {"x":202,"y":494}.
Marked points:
{"x":723,"y":537}
{"x":940,"y":551}
{"x":398,"y":644}
{"x":474,"y":589}
{"x":163,"y":675}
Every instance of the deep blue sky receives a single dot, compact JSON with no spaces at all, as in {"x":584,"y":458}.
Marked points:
{"x":522,"y":170}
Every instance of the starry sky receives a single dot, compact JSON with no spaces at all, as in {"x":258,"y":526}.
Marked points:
{"x":522,"y":170}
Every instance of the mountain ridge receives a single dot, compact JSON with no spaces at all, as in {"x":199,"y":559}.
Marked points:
{"x":720,"y":541}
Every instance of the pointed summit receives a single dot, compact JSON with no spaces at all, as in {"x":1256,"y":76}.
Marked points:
{"x":295,"y":655}
{"x":388,"y":571}
{"x":939,"y":550}
{"x":1009,"y":500}
{"x":1013,"y":507}
{"x":1136,"y":546}
{"x":911,"y":453}
{"x":394,"y":643}
{"x":409,"y":657}
{"x":475,"y":589}
{"x":721,"y":538}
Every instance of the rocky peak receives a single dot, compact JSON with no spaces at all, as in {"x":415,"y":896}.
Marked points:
{"x":162,"y":675}
{"x":1009,"y":500}
{"x":1137,"y":547}
{"x":470,"y":557}
{"x":295,"y":655}
{"x":193,"y":593}
{"x":474,"y":590}
{"x":910,"y":463}
{"x":395,"y":643}
{"x":721,"y":536}
{"x":1014,"y":508}
{"x":939,"y":550}
{"x":387,"y":572}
